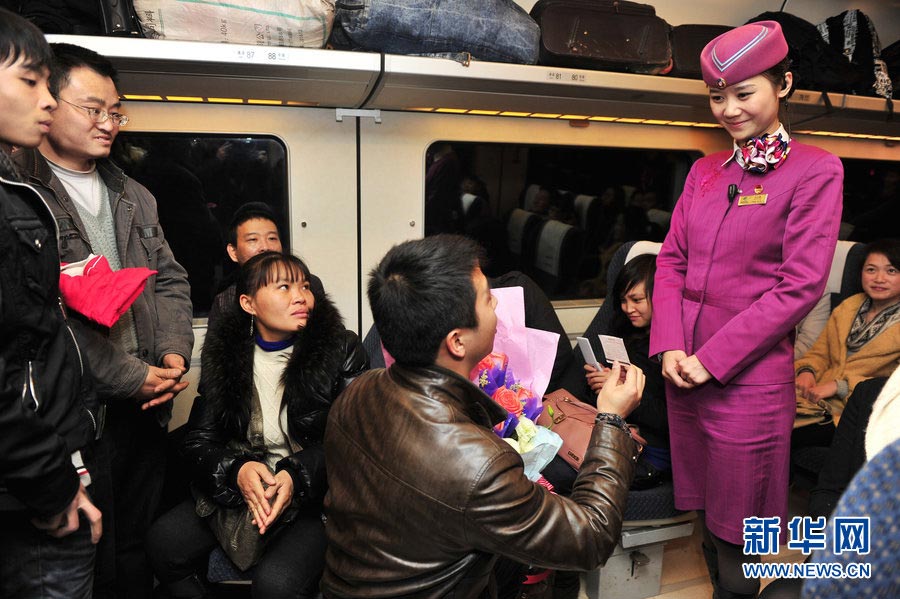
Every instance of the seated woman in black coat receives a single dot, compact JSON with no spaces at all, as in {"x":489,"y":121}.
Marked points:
{"x":271,"y":371}
{"x":631,"y":322}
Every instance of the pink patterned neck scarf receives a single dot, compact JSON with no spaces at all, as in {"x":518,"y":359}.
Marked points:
{"x":759,"y":154}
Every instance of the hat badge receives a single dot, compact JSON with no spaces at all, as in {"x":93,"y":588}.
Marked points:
{"x":720,"y":83}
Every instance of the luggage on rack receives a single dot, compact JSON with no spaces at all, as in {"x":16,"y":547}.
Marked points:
{"x":610,"y":35}
{"x":289,"y":23}
{"x":494,"y":30}
{"x":853,"y":35}
{"x":891,"y":58}
{"x":76,"y":17}
{"x":687,"y":43}
{"x":815,"y":64}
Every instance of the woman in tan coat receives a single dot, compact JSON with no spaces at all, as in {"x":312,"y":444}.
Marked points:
{"x":860,"y":341}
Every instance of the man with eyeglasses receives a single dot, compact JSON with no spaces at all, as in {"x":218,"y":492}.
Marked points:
{"x":138,"y":362}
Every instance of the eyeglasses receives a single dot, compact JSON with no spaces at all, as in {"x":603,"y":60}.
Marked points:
{"x":100,"y":116}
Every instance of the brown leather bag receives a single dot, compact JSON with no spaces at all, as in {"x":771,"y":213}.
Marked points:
{"x":572,"y":420}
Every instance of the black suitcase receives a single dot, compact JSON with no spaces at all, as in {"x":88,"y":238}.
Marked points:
{"x":607,"y":35}
{"x":687,"y":43}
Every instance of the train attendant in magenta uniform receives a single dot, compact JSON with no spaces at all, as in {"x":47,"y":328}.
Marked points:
{"x":746,"y":257}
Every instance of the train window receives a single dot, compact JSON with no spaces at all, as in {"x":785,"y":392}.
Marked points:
{"x":198,"y":182}
{"x":871,"y":200}
{"x":556,"y":213}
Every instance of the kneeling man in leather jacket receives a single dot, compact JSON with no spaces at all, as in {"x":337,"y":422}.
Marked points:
{"x":423,"y":495}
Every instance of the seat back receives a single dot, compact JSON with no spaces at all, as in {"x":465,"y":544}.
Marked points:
{"x":586,"y":208}
{"x":522,"y":231}
{"x":844,"y":280}
{"x":530,"y":192}
{"x":557,"y":257}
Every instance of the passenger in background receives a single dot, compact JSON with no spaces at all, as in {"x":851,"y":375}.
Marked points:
{"x":630,"y":320}
{"x":423,"y":496}
{"x":443,"y":212}
{"x":253,"y":230}
{"x":271,"y":369}
{"x":139,"y":362}
{"x":634,"y":288}
{"x":47,"y":405}
{"x":747,"y":255}
{"x":860,"y":341}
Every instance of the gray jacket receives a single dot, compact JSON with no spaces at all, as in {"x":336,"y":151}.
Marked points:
{"x":162,"y":313}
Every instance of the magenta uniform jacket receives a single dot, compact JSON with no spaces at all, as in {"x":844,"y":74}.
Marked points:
{"x":733,"y":279}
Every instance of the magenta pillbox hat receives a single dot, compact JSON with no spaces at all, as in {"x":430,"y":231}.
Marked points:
{"x":742,"y":53}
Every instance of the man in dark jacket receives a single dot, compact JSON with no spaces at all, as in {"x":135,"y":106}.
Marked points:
{"x":46,"y":422}
{"x":138,"y":362}
{"x":423,"y":496}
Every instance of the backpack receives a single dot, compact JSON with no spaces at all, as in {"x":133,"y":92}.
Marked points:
{"x":815,"y":65}
{"x":853,"y":35}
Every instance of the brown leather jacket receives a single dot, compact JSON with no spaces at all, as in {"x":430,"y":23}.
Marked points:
{"x":424,"y":496}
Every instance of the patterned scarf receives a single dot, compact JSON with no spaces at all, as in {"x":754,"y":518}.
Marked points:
{"x":862,"y":332}
{"x":758,"y":154}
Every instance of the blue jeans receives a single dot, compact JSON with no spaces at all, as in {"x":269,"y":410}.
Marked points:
{"x":495,"y":30}
{"x":34,"y":565}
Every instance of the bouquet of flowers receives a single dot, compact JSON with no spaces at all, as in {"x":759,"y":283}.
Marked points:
{"x":494,"y":376}
{"x":515,"y":375}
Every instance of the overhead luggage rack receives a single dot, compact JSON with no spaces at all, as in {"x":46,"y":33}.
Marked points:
{"x":209,"y":72}
{"x":202,"y":71}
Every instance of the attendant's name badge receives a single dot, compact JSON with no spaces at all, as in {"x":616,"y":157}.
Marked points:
{"x":758,"y":198}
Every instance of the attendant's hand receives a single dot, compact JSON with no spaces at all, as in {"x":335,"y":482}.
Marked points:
{"x":692,"y":371}
{"x":623,"y":396}
{"x":596,"y":377}
{"x":252,"y":480}
{"x":805,"y":381}
{"x":670,"y":371}
{"x":280,"y":495}
{"x":66,"y":522}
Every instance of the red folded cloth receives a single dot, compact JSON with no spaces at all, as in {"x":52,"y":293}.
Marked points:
{"x":92,"y":288}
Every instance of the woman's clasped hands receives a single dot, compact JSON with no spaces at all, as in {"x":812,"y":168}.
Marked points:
{"x":266,"y":494}
{"x":683,"y":371}
{"x":808,"y":389}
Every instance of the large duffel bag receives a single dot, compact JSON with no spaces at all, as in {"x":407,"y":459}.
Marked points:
{"x":494,"y":30}
{"x":608,"y":35}
{"x":687,"y":43}
{"x":290,"y":23}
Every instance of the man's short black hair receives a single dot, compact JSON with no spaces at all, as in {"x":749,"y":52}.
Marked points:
{"x":19,"y":37}
{"x":246,"y":212}
{"x":69,"y":56}
{"x":420,"y":291}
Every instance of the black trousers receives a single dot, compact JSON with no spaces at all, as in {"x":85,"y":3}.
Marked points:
{"x":179,"y":544}
{"x":131,"y":459}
